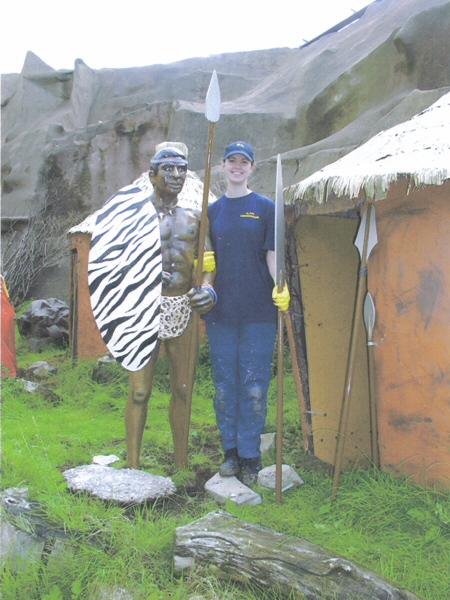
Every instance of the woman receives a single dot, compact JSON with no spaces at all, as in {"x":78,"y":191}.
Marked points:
{"x":242,"y":325}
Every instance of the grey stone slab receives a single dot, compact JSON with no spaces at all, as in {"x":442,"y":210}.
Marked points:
{"x":230,"y":488}
{"x":120,"y":485}
{"x":289,"y":478}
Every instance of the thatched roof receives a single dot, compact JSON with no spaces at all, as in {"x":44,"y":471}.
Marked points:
{"x":190,"y":196}
{"x":418,"y":150}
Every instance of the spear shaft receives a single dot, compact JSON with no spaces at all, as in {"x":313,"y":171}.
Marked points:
{"x":206,"y":184}
{"x":212,"y":113}
{"x":280,"y":268}
{"x":365,"y":240}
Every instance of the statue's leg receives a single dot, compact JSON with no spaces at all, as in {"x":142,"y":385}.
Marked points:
{"x":178,"y":351}
{"x":136,"y":410}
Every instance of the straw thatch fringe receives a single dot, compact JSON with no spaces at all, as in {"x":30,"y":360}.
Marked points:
{"x":418,"y":150}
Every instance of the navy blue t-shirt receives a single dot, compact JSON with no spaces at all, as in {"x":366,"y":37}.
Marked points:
{"x":242,"y":230}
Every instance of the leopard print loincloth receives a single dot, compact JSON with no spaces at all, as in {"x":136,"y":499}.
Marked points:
{"x":174,"y":317}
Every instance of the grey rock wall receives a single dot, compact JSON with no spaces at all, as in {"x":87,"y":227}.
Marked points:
{"x":72,"y":138}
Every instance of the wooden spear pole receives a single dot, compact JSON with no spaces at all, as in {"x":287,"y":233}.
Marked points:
{"x":365,"y":240}
{"x":212,"y":113}
{"x":280,"y":268}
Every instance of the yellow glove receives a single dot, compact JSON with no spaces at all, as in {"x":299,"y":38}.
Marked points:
{"x":209,"y":261}
{"x":281,"y":299}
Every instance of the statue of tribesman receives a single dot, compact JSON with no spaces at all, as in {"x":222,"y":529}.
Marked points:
{"x":175,"y":292}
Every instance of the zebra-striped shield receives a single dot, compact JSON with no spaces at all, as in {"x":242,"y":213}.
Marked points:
{"x":124,"y":276}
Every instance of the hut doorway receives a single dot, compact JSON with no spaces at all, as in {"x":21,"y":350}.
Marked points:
{"x":329,"y":264}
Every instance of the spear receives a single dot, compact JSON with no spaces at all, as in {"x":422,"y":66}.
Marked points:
{"x":369,"y":321}
{"x":365,"y":240}
{"x":280,"y":280}
{"x":212,"y":113}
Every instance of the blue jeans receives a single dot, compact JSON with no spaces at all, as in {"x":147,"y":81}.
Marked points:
{"x":241,"y":358}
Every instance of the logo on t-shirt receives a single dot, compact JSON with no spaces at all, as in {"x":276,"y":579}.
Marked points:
{"x":249,"y":215}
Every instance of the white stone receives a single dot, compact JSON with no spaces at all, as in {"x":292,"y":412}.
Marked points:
{"x":30,"y":386}
{"x":107,"y":359}
{"x":289,"y":478}
{"x":121,"y":485}
{"x":105,"y":460}
{"x":268,"y":441}
{"x":230,"y":488}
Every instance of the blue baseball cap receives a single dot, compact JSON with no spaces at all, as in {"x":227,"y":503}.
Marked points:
{"x":239,"y":148}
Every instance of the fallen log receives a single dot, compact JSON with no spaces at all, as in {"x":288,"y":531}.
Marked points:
{"x":290,"y":566}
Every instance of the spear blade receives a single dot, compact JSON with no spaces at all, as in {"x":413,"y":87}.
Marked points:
{"x":212,"y":104}
{"x":369,"y":321}
{"x":369,"y":315}
{"x":371,"y":238}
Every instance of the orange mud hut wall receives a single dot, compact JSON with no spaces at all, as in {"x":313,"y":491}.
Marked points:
{"x":409,"y":279}
{"x":84,"y":337}
{"x":329,"y":264}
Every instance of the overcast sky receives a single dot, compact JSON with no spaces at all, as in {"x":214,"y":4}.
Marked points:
{"x":115,"y":34}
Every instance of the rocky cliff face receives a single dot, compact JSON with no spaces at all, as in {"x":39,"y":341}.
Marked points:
{"x":72,"y":138}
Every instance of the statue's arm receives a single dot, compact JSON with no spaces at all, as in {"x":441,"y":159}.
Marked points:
{"x":203,"y":298}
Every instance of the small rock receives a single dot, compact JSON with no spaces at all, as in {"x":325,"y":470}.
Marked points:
{"x":23,"y":539}
{"x":37,"y":388}
{"x":39,"y":344}
{"x":15,"y":500}
{"x":30,"y":386}
{"x":49,"y":395}
{"x":113,"y":594}
{"x":289,"y":478}
{"x":230,"y":488}
{"x":41,"y":370}
{"x":45,"y":319}
{"x":106,"y":369}
{"x":121,"y":485}
{"x":105,"y":460}
{"x":107,"y":359}
{"x":181,"y":563}
{"x":268,"y":441}
{"x":20,"y":547}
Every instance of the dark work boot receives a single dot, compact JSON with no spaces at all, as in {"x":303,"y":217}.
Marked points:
{"x":250,"y":467}
{"x":230,"y":465}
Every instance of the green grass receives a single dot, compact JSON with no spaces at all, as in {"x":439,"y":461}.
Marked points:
{"x":385,"y":524}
